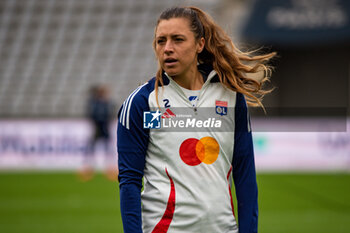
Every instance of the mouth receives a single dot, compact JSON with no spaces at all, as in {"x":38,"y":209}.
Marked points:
{"x":170,"y":61}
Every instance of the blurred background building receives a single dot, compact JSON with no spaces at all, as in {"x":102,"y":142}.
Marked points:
{"x":313,"y":41}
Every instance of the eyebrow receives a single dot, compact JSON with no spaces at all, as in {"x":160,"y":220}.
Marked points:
{"x":175,"y":35}
{"x":172,"y":36}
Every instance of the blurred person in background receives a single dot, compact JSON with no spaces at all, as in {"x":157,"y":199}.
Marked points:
{"x":100,"y":111}
{"x":197,"y":61}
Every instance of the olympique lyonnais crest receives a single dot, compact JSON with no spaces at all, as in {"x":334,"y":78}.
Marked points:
{"x":221,"y":107}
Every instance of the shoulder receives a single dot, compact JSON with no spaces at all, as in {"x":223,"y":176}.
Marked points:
{"x":240,"y":100}
{"x":136,"y":103}
{"x":140,"y":94}
{"x":143,"y":91}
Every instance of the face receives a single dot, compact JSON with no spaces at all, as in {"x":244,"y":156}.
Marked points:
{"x":176,"y":47}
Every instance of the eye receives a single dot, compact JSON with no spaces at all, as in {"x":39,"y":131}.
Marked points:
{"x":179,"y":39}
{"x":160,"y":41}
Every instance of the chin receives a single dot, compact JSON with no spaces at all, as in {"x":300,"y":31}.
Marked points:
{"x":171,"y":72}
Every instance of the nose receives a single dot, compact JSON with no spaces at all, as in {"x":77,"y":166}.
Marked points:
{"x":168,"y":48}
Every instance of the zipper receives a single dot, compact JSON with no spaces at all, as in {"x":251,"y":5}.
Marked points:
{"x":183,"y":95}
{"x":179,"y":90}
{"x":210,"y":76}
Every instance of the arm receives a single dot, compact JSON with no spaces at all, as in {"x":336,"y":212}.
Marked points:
{"x":244,"y":170}
{"x":132,"y":142}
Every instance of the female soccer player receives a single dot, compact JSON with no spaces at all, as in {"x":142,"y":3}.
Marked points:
{"x":187,"y":174}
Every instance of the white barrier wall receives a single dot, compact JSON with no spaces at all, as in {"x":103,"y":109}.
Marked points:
{"x":61,"y":144}
{"x":48,"y":144}
{"x":304,"y":144}
{"x":302,"y":151}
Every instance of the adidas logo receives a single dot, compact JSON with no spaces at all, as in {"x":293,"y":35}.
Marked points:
{"x":168,"y":114}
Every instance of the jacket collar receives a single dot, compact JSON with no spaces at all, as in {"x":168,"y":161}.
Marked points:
{"x":207,"y":71}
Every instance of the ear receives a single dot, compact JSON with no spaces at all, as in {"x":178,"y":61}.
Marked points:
{"x":200,"y":45}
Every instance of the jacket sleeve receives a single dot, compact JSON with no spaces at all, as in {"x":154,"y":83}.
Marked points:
{"x":132,"y":142}
{"x":243,"y":167}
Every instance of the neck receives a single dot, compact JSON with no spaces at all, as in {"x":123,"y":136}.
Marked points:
{"x":191,"y":80}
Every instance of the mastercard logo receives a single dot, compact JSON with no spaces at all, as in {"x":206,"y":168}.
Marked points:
{"x":195,"y":151}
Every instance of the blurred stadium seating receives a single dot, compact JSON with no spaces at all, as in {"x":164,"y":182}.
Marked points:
{"x":51,"y":52}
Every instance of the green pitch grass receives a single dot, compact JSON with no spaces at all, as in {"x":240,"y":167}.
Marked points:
{"x":60,"y":202}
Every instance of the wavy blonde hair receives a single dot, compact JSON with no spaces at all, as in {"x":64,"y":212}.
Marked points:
{"x":232,"y":65}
